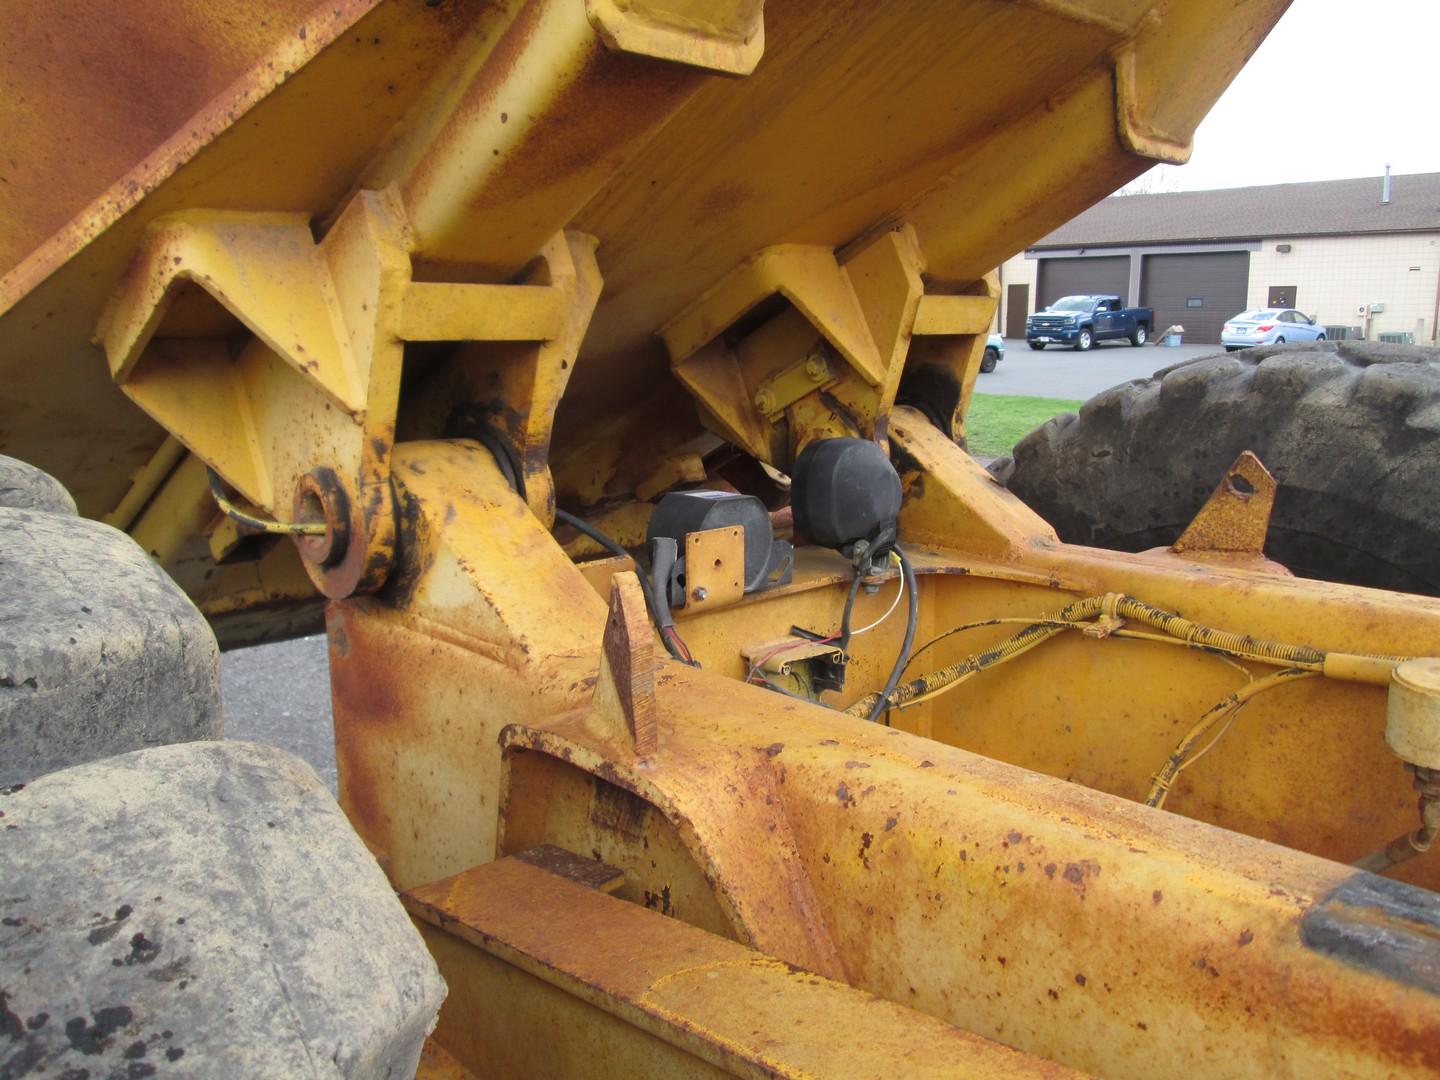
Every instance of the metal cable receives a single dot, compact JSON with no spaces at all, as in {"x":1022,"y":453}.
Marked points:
{"x":650,"y":601}
{"x":256,"y":524}
{"x":912,"y":620}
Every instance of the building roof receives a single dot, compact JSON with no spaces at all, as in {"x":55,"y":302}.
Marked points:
{"x":1321,"y":208}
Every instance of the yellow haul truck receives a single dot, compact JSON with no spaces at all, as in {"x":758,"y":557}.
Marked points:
{"x":595,"y":373}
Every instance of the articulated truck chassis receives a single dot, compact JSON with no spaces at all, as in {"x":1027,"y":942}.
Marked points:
{"x":595,"y":374}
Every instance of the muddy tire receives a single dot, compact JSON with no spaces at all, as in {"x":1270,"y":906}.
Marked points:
{"x":209,"y":908}
{"x":1351,"y":431}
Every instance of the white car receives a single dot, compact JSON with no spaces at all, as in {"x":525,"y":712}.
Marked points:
{"x":994,"y":352}
{"x":1269,"y":326}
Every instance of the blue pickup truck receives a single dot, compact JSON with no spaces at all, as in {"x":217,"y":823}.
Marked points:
{"x":1081,"y":321}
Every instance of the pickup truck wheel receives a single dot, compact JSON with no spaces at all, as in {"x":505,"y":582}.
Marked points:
{"x":1139,"y":336}
{"x":1361,"y":505}
{"x":1036,"y":345}
{"x":989,"y":360}
{"x":1084,"y":340}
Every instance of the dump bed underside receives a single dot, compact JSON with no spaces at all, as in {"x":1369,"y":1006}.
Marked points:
{"x":983,"y":123}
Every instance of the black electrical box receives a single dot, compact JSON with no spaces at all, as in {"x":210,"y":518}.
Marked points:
{"x":682,"y":512}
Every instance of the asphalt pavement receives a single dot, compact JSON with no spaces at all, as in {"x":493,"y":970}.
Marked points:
{"x":280,"y":694}
{"x":1064,"y":373}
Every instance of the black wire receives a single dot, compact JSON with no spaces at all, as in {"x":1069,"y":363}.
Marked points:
{"x":844,"y":639}
{"x":664,"y":552}
{"x":911,"y":623}
{"x":953,"y":630}
{"x":615,"y":549}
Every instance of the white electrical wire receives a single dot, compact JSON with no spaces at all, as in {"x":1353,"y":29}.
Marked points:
{"x":888,"y":611}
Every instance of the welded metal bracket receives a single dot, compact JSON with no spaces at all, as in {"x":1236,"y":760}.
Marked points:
{"x":518,"y":346}
{"x":1133,"y":116}
{"x":728,"y":38}
{"x":1236,"y":517}
{"x":623,"y":709}
{"x":276,"y":360}
{"x":831,"y":364}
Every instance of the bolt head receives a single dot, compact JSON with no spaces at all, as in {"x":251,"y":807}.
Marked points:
{"x":765,"y":401}
{"x":699,"y":593}
{"x":817,"y":369}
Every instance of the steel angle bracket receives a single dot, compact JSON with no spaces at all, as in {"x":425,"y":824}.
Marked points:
{"x":275,"y":360}
{"x":864,"y":310}
{"x":517,"y":346}
{"x":1230,"y":528}
{"x":729,"y":39}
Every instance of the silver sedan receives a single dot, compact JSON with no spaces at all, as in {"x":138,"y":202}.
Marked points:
{"x":1269,"y":326}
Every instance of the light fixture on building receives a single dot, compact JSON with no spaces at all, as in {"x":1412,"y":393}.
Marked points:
{"x":1284,"y":249}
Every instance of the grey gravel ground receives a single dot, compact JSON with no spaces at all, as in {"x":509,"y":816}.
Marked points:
{"x":280,"y":694}
{"x":1065,"y":373}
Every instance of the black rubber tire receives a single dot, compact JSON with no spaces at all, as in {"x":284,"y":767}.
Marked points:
{"x":1350,"y":429}
{"x":1278,"y":341}
{"x":1085,"y":339}
{"x":1036,"y":345}
{"x":1139,"y":335}
{"x":989,"y":360}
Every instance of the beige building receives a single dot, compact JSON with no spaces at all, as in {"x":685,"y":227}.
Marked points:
{"x":1338,"y":250}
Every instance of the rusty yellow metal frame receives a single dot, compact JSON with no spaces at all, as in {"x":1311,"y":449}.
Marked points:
{"x":934,"y":877}
{"x":690,"y":1004}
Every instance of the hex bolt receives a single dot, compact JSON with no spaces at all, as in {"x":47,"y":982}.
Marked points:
{"x":817,"y":369}
{"x":699,"y":594}
{"x":765,"y":401}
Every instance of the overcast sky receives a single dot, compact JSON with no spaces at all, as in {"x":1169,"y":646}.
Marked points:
{"x":1339,"y":88}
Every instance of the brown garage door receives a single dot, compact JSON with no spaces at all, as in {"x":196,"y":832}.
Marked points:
{"x":1198,"y":292}
{"x":1108,"y":274}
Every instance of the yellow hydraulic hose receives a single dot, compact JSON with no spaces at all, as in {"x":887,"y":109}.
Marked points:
{"x":1181,"y":758}
{"x":1174,"y":630}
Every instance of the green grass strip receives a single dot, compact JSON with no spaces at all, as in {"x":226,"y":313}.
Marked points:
{"x":997,"y":422}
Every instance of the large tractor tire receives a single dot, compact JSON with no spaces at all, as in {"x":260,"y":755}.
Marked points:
{"x":100,"y":651}
{"x":1351,"y":430}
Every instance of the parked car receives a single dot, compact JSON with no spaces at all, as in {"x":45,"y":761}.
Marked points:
{"x":994,"y":352}
{"x":1081,"y":321}
{"x":1269,"y":326}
